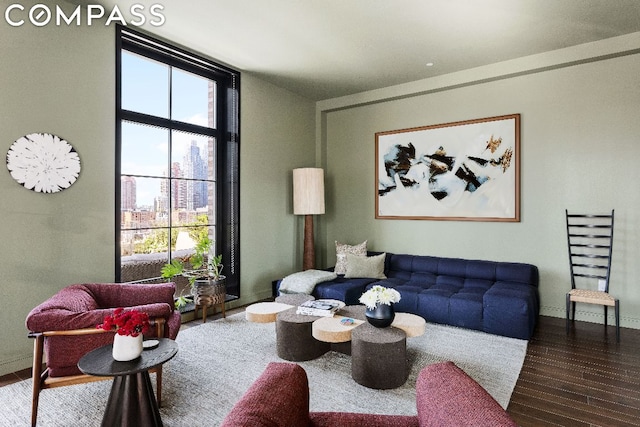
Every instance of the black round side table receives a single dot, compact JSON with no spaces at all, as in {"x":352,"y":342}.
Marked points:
{"x":131,"y":401}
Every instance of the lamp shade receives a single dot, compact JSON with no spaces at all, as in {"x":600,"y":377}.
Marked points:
{"x":308,"y":191}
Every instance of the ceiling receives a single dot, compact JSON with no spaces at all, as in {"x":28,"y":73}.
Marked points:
{"x":324,"y":49}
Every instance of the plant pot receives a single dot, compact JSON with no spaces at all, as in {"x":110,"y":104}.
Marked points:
{"x":126,"y":347}
{"x":382,"y":316}
{"x":208,"y":292}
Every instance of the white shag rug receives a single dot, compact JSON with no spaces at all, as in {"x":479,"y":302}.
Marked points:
{"x":219,"y":360}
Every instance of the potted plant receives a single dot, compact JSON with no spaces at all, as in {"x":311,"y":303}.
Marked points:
{"x":205,"y":274}
{"x":129,"y":326}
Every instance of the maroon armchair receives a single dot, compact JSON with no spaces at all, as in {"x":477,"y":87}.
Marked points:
{"x":64,"y":328}
{"x":445,"y":396}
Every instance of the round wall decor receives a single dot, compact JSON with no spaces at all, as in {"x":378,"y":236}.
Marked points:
{"x":43,"y":162}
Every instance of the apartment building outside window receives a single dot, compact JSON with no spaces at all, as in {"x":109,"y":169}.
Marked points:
{"x":177,"y":130}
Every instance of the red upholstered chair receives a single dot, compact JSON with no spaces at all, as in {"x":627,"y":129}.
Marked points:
{"x":64,"y":329}
{"x":445,"y":396}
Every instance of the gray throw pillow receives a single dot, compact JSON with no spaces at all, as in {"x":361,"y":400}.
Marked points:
{"x":369,"y":267}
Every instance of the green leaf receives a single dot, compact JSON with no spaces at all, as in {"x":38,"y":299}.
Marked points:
{"x":172,"y":269}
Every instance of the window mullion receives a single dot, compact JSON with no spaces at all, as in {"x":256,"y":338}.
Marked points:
{"x":169,"y":168}
{"x":162,"y":122}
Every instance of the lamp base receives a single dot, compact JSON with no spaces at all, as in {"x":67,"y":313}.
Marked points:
{"x":308,"y":256}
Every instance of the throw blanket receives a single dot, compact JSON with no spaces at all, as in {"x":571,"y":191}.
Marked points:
{"x":304,"y":281}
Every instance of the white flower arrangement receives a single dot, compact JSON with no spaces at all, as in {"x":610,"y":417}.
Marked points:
{"x":379,"y":295}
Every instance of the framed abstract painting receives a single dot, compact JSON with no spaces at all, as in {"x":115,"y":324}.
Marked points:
{"x":462,"y":171}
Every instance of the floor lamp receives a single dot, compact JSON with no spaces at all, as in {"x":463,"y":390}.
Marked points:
{"x":308,"y":200}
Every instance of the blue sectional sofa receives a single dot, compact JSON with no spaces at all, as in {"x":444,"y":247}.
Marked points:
{"x":495,"y":297}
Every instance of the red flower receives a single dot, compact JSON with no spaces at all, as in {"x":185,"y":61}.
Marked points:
{"x":132,"y":322}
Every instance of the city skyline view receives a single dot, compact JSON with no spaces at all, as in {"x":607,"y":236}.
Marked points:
{"x":186,"y":194}
{"x":166,"y":175}
{"x":145,"y":89}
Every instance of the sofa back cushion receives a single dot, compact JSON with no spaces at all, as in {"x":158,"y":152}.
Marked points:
{"x":431,"y":270}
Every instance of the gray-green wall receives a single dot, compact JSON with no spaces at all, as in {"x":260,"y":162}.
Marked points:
{"x":61,"y":80}
{"x":579,"y":151}
{"x":580,"y":148}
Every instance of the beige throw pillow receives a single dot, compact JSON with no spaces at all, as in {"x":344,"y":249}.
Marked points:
{"x":370,"y":267}
{"x":341,"y":254}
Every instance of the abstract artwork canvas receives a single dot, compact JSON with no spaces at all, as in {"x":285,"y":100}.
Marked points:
{"x":466,"y":171}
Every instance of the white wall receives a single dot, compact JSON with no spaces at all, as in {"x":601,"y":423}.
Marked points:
{"x":579,"y":150}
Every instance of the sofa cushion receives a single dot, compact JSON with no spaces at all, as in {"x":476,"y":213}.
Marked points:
{"x":510,"y":309}
{"x":342,"y":250}
{"x":372,"y":266}
{"x":347,"y":290}
{"x":465,"y":309}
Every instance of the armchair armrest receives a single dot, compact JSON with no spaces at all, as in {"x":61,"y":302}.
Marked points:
{"x":446,"y":395}
{"x":278,"y":398}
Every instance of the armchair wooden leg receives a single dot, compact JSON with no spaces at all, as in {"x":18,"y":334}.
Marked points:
{"x":36,"y":376}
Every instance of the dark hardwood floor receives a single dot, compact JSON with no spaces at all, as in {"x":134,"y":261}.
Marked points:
{"x":581,"y":379}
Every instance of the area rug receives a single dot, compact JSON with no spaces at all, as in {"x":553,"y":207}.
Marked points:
{"x":219,"y":360}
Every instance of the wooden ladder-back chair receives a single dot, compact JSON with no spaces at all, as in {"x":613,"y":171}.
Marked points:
{"x":64,"y":329}
{"x":590,"y":245}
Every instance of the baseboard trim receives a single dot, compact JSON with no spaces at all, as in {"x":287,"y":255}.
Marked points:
{"x":15,"y":365}
{"x":596,"y":316}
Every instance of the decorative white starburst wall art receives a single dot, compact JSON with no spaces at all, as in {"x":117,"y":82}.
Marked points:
{"x":43,"y":162}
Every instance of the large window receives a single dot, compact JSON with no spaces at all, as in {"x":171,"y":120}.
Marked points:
{"x":177,"y":158}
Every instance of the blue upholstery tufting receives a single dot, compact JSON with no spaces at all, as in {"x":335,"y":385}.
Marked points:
{"x":495,"y":297}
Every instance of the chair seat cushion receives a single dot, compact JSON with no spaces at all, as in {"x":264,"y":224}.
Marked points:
{"x":591,"y":297}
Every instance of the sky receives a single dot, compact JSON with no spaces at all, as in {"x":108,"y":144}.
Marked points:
{"x":145,"y":89}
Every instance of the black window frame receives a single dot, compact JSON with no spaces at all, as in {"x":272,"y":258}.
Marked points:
{"x":227,"y":134}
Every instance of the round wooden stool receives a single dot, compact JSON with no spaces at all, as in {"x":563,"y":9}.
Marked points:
{"x":379,"y":357}
{"x":294,"y":338}
{"x":264,"y":312}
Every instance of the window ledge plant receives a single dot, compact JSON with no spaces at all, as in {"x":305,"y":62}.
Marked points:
{"x":203,"y":266}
